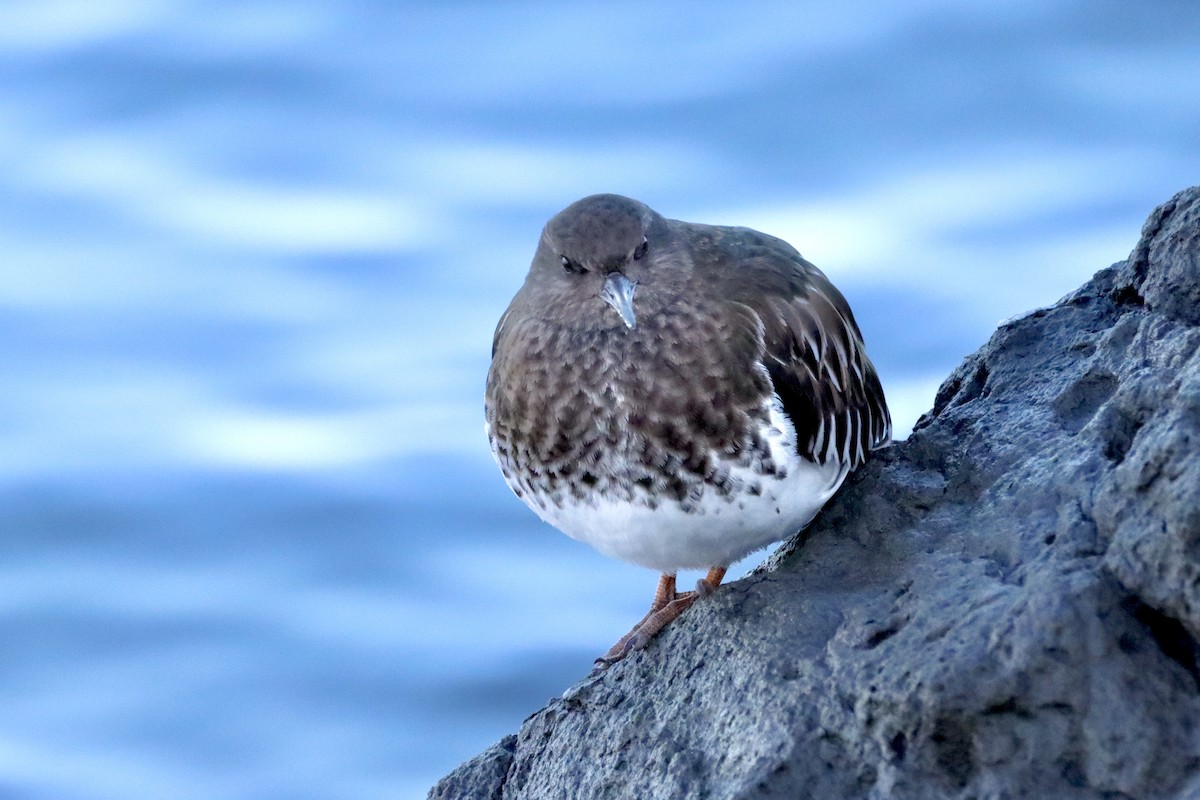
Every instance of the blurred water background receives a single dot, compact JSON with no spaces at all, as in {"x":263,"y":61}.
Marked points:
{"x":252,"y":544}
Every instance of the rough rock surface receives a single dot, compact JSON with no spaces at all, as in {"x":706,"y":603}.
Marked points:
{"x":1006,"y":605}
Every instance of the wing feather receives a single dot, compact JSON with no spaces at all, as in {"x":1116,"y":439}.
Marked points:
{"x":814,"y":351}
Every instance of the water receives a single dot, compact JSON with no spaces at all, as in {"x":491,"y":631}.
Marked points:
{"x":251,"y":541}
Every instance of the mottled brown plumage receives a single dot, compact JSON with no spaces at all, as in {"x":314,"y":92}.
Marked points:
{"x":676,"y":394}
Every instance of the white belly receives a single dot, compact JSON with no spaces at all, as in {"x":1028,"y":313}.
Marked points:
{"x":715,"y":533}
{"x":716,"y":529}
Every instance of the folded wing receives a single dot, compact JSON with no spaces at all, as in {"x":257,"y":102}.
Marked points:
{"x":813,"y":349}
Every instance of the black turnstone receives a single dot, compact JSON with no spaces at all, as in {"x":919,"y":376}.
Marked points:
{"x":676,"y":395}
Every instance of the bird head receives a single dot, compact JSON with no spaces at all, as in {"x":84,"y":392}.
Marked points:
{"x":598,"y":251}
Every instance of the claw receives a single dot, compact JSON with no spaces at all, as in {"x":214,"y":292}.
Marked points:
{"x":668,"y":604}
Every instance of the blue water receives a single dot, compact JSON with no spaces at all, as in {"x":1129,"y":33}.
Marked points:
{"x":251,"y":541}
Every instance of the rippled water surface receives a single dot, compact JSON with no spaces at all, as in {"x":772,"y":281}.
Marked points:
{"x":251,"y":541}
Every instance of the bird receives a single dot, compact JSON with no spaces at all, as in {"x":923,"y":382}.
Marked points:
{"x":676,"y":395}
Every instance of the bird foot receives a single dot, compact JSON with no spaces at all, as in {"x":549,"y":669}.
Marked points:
{"x":645,"y":630}
{"x":666,"y":608}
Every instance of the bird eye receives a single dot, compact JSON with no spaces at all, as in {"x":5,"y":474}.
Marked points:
{"x":571,"y":266}
{"x":641,"y":249}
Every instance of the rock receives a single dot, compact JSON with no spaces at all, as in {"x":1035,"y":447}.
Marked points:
{"x":1006,"y":605}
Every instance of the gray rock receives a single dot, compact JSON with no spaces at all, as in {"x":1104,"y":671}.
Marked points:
{"x":1006,"y":605}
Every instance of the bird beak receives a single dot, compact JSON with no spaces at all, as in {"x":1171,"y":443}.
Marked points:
{"x":618,"y":293}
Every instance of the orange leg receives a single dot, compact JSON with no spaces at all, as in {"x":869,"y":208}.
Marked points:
{"x":663,"y":596}
{"x":667,"y":605}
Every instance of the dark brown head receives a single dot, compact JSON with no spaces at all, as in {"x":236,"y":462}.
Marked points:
{"x":598,"y":257}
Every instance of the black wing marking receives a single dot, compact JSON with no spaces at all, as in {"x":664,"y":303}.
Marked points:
{"x":818,"y":364}
{"x":813,"y":349}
